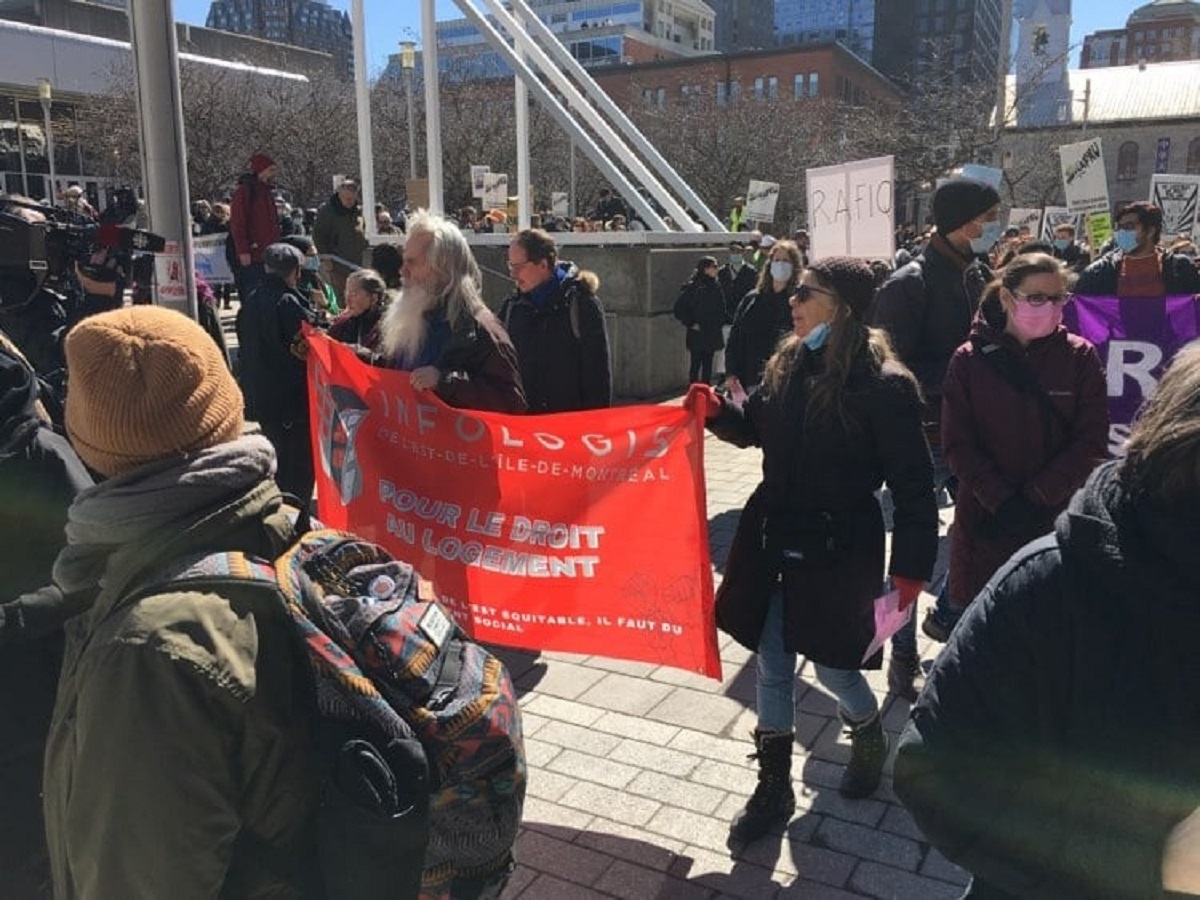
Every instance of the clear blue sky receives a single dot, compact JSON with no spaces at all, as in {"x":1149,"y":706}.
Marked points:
{"x":389,"y":21}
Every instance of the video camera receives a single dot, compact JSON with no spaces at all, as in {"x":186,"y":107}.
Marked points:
{"x":34,"y":253}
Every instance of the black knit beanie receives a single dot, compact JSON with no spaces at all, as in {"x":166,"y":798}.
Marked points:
{"x":959,"y":201}
{"x":851,"y":278}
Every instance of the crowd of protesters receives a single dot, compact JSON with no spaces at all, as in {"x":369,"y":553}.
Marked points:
{"x":944,"y":372}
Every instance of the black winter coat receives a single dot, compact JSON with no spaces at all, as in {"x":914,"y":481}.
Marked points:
{"x":817,"y":498}
{"x":927,"y":308}
{"x":1180,"y":275}
{"x":274,"y":379}
{"x":700,"y":308}
{"x":563,"y":355}
{"x":1054,"y":746}
{"x":736,"y":286}
{"x":39,"y":477}
{"x":760,"y":321}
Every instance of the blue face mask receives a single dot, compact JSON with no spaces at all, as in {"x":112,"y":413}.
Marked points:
{"x":1061,"y":243}
{"x":987,"y":240}
{"x":816,"y":338}
{"x":735,"y":260}
{"x":312,"y":263}
{"x":1127,"y":240}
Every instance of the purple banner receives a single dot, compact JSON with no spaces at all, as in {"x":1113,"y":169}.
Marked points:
{"x":1136,"y":338}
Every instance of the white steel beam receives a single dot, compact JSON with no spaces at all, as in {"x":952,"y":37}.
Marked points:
{"x":588,"y":113}
{"x":433,"y":109}
{"x":362,"y":102}
{"x":571,"y":66}
{"x":560,"y":114}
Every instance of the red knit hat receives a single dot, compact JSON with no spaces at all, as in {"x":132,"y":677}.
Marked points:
{"x":260,"y":162}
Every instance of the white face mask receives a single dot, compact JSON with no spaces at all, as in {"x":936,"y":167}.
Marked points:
{"x":781,"y":270}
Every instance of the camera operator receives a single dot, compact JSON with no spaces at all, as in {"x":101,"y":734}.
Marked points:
{"x":42,"y":298}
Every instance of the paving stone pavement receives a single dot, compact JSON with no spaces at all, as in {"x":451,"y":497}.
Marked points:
{"x":636,"y":770}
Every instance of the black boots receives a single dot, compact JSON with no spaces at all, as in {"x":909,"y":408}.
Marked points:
{"x":773,"y":802}
{"x":868,"y":751}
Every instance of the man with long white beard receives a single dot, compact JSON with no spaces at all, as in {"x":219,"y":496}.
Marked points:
{"x":439,"y":330}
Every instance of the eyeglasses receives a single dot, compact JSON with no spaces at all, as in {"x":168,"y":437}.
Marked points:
{"x":518,"y":266}
{"x":804,"y":292}
{"x":1042,"y":299}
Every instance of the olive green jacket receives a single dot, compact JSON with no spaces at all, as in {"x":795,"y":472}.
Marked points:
{"x":179,"y":763}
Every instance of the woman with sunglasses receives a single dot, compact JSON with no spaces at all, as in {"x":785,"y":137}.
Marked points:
{"x":1024,"y":420}
{"x":836,"y":415}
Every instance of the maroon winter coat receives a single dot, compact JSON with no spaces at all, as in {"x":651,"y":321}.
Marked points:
{"x":999,"y":440}
{"x":253,"y":219}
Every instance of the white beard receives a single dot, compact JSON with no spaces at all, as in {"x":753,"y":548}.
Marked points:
{"x":403,"y":329}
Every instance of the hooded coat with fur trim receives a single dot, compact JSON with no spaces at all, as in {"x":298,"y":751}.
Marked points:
{"x":562,"y":343}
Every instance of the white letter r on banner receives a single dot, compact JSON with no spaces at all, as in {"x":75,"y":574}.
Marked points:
{"x":1136,"y":359}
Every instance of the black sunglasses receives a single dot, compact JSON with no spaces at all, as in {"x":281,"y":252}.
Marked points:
{"x":805,"y":291}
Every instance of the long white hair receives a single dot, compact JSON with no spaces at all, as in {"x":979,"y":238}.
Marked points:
{"x":454,"y":285}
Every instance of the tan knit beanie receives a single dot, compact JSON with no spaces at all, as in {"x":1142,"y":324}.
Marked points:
{"x":145,"y":384}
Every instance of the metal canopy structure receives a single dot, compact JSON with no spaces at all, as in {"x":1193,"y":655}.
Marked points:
{"x":613,"y":144}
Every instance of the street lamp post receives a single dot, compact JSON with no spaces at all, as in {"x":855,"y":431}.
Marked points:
{"x":46,"y":96}
{"x":408,"y":62}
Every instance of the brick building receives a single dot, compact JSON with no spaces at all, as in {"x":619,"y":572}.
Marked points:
{"x":824,"y":71}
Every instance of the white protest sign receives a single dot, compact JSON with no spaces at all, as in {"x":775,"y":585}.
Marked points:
{"x":560,"y":203}
{"x":477,"y":173}
{"x":1053,"y":216}
{"x":495,"y":190}
{"x":761,"y":200}
{"x":169,"y":283}
{"x":1085,"y":182}
{"x":211,"y":263}
{"x":1023,"y":217}
{"x":850,"y":209}
{"x":1177,"y":196}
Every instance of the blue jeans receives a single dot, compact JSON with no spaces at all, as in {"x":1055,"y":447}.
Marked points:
{"x":776,"y":683}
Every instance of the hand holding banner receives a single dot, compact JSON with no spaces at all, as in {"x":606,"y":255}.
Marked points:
{"x":576,"y":532}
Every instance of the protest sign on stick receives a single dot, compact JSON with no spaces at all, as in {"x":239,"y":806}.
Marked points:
{"x":761,"y":200}
{"x":1177,"y":196}
{"x":1085,"y":182}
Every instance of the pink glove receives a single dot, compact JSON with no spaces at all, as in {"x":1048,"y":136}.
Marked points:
{"x":909,"y":590}
{"x":702,"y":399}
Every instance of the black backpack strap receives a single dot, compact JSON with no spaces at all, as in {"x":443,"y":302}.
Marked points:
{"x":1019,"y":376}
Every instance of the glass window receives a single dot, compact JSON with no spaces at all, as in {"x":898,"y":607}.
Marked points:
{"x":773,"y":88}
{"x":1193,"y":157}
{"x":10,"y":146}
{"x":722,"y":93}
{"x":798,"y":86}
{"x":758,"y":88}
{"x":812,"y":83}
{"x":1127,"y":161}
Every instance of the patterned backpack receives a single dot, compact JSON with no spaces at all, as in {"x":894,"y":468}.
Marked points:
{"x":419,"y":732}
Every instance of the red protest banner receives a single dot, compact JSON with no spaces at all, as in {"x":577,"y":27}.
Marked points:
{"x":576,"y":532}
